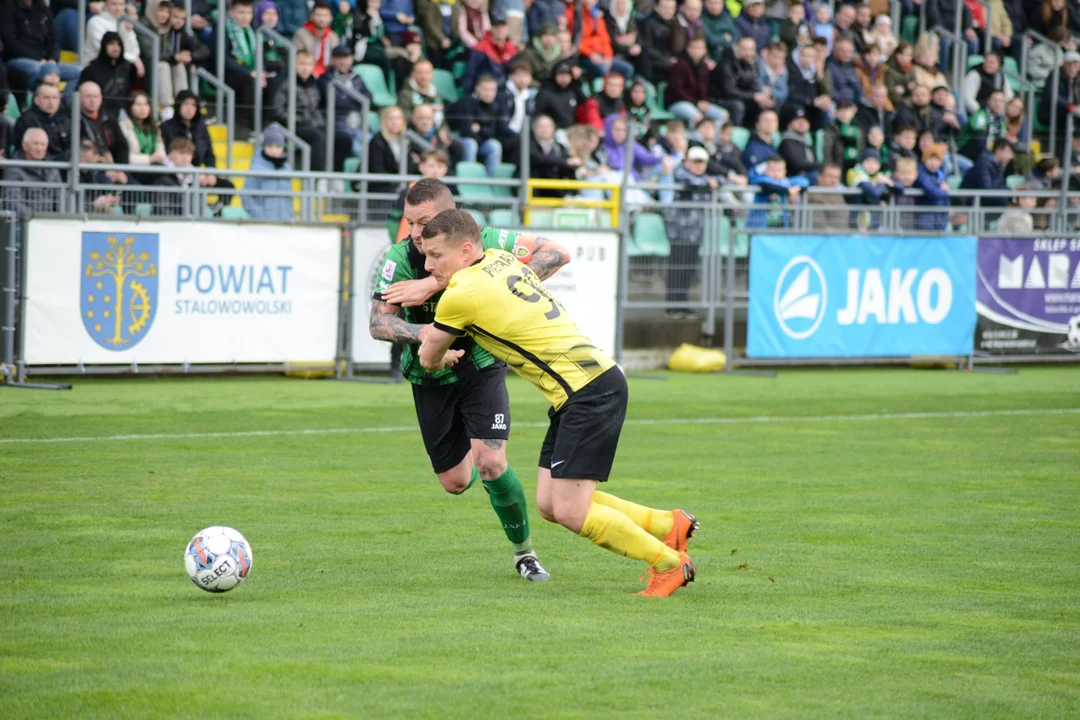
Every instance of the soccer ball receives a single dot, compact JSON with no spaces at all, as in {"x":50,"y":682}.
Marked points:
{"x":217,"y":559}
{"x":1072,"y":331}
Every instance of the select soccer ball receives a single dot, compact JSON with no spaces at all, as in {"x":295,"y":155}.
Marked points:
{"x":218,"y":559}
{"x":1072,"y":331}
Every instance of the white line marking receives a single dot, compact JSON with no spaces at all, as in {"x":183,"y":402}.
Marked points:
{"x":659,"y":421}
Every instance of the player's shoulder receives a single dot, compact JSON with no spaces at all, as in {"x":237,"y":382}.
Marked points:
{"x":500,"y":238}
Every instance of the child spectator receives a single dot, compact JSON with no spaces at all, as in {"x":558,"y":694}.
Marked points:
{"x":823,"y":26}
{"x":904,"y":178}
{"x":316,"y":37}
{"x":794,"y":30}
{"x":875,"y":186}
{"x":875,"y":141}
{"x":180,"y":153}
{"x":687,"y":95}
{"x":843,"y":139}
{"x":776,"y":187}
{"x":905,"y":139}
{"x":278,"y":206}
{"x":935,"y":190}
{"x":638,"y":110}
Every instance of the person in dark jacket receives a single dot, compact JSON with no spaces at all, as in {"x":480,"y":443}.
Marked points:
{"x":751,"y":23}
{"x":348,"y":111}
{"x":1068,"y":95}
{"x":31,"y":46}
{"x":796,"y":151}
{"x":760,"y":147}
{"x":841,"y":78}
{"x":873,"y":112}
{"x":437,"y":137}
{"x":843,"y":140}
{"x":386,"y":148}
{"x":112,"y":73}
{"x":45,"y":114}
{"x":559,"y":96}
{"x":935,"y":191}
{"x":735,"y":84}
{"x":475,"y":118}
{"x":548,"y":159}
{"x":100,"y":128}
{"x":942,"y":13}
{"x":310,"y":119}
{"x":186,"y":122}
{"x":654,"y":36}
{"x":805,"y":88}
{"x":988,"y":173}
{"x":241,"y":46}
{"x":687,"y":95}
{"x":609,"y":101}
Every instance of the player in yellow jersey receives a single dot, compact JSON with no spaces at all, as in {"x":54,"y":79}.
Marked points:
{"x":505,"y":308}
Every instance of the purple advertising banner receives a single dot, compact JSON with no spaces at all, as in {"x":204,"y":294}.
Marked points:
{"x":1028,"y":296}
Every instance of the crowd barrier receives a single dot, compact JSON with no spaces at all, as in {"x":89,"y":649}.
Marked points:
{"x":113,"y":295}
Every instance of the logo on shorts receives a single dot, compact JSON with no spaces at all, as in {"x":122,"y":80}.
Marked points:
{"x":557,"y":463}
{"x":500,"y":422}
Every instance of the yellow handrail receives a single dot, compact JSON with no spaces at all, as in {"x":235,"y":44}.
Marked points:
{"x":611,"y":205}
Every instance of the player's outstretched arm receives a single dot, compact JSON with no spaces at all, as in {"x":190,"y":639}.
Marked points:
{"x":542,"y":255}
{"x":384,"y":324}
{"x":433,"y":347}
{"x":411,"y":293}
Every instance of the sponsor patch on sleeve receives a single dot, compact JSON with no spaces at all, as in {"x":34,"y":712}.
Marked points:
{"x":388,"y":270}
{"x":521,"y":251}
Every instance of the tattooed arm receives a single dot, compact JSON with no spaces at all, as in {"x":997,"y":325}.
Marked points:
{"x":543,"y":256}
{"x":384,"y":324}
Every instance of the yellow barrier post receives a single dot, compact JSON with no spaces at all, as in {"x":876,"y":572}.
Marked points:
{"x":533,"y":184}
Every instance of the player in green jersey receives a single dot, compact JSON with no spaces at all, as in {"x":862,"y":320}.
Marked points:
{"x":464,"y":409}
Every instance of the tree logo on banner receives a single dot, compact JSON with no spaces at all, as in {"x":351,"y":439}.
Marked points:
{"x":119,"y":287}
{"x":800,"y":297}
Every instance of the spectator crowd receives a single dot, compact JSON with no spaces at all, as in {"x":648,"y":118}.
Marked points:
{"x":697,"y":96}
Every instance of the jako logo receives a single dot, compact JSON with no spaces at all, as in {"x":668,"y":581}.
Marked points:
{"x":800,"y":304}
{"x":903,"y":302}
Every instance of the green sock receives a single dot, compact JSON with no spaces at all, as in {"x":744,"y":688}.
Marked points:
{"x":508,"y":499}
{"x":473,"y":479}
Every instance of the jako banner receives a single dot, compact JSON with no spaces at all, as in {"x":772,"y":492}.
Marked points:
{"x":1029,"y":296}
{"x":104,"y":292}
{"x":858,"y":296}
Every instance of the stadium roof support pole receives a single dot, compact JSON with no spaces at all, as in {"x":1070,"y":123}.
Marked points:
{"x":230,"y":107}
{"x":222,"y":13}
{"x":959,"y":49}
{"x":187,"y":15}
{"x":11,"y":352}
{"x":288,"y":44}
{"x":523,"y":162}
{"x":81,"y":42}
{"x":1067,"y":167}
{"x":331,"y":112}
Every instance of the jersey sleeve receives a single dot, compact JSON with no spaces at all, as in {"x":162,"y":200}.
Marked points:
{"x":395,"y":268}
{"x":496,"y":239}
{"x":456,"y":310}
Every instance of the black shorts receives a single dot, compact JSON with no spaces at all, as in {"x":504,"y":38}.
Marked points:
{"x":477,"y":407}
{"x":584,"y":433}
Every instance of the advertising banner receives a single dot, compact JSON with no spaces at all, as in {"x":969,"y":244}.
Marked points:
{"x":1029,"y":296}
{"x":587,"y":287}
{"x":861,"y":296}
{"x":105,"y":292}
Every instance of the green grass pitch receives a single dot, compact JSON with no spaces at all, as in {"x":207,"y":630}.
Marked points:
{"x":848,"y":567}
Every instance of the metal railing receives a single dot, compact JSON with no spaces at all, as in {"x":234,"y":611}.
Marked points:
{"x":151,"y":69}
{"x":229,"y":94}
{"x":1052,"y":81}
{"x":337,"y":83}
{"x":260,"y":73}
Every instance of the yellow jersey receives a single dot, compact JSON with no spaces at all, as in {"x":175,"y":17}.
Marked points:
{"x":506,"y":309}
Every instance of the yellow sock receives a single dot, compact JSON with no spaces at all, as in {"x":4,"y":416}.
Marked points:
{"x":657,"y":523}
{"x":614,"y":531}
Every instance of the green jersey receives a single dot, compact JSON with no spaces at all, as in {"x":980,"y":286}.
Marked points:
{"x":405,"y":262}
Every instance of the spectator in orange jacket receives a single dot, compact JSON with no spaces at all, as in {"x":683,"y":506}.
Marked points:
{"x":594,"y":44}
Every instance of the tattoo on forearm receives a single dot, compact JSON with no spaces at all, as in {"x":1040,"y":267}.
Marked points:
{"x":545,"y":262}
{"x":385,"y":325}
{"x":494,"y":444}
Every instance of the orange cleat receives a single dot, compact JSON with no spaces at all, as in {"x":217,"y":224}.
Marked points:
{"x":684,"y":528}
{"x":664,"y":584}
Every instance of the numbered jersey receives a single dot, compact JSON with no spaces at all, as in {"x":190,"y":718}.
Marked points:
{"x":505,"y":308}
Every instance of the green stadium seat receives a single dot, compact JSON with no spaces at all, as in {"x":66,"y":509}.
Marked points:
{"x":373,"y":78}
{"x":144,"y":210}
{"x":654,"y":99}
{"x":473,"y":170}
{"x":478,"y":216}
{"x":973,"y":60}
{"x":819,"y":146}
{"x":373,"y":122}
{"x":1013,"y":180}
{"x":954,"y":181}
{"x":231,"y":212}
{"x":541,"y":219}
{"x":740,"y":136}
{"x":909,"y":29}
{"x":597,"y":85}
{"x":649,"y":236}
{"x":447,"y":86}
{"x":352,"y":165}
{"x":503,"y":218}
{"x":504,"y":171}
